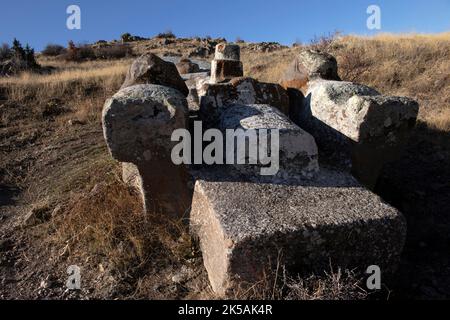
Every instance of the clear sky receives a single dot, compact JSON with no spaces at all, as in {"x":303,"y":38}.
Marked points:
{"x":39,"y":22}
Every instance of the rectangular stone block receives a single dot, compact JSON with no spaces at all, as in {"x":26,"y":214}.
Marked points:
{"x":246,"y":228}
{"x":295,"y":151}
{"x":225,"y":70}
{"x":355,"y":127}
{"x":213,"y":98}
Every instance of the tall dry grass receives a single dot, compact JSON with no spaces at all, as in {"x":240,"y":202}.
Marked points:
{"x":82,"y":86}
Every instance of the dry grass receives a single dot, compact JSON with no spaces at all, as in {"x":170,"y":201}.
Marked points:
{"x":331,"y":285}
{"x":107,"y":226}
{"x":84,"y":87}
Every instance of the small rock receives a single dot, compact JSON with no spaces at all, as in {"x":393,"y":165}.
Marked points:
{"x":183,"y":275}
{"x":186,"y":66}
{"x":75,"y":122}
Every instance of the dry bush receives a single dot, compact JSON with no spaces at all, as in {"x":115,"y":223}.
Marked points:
{"x":168,"y":34}
{"x":114,"y":52}
{"x":278,"y":285}
{"x":53,"y":50}
{"x":325,"y":42}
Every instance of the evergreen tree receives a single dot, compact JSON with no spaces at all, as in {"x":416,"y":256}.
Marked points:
{"x":18,"y":50}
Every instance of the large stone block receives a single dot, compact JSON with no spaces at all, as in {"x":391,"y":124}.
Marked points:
{"x":309,"y":65}
{"x":225,"y":51}
{"x":150,"y":69}
{"x":214,"y":98}
{"x":295,"y":150}
{"x":251,"y":91}
{"x":138,"y":123}
{"x":246,"y":228}
{"x":225,"y":70}
{"x":355,"y":126}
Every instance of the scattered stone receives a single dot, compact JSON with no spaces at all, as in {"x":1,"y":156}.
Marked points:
{"x":196,"y":76}
{"x":265,"y":47}
{"x":309,"y":65}
{"x":150,"y":69}
{"x":138,"y":123}
{"x":186,"y":66}
{"x":200,"y":52}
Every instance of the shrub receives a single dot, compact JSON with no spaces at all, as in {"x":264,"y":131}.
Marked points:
{"x":53,"y":50}
{"x":168,"y":34}
{"x":21,"y":59}
{"x":127,"y":37}
{"x":117,"y":51}
{"x":24,"y":56}
{"x":326,"y":42}
{"x":5,"y":52}
{"x":79,"y":53}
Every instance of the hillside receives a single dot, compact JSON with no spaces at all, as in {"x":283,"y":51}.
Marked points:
{"x":54,"y":164}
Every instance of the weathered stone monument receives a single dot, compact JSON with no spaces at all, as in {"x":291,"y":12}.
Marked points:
{"x":356,"y":127}
{"x":302,"y":216}
{"x":138,"y":122}
{"x":227,"y":63}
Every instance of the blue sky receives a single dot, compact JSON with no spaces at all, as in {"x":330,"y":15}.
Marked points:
{"x":285,"y":21}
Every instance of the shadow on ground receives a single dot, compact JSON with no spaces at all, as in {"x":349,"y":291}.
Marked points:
{"x":419,"y":186}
